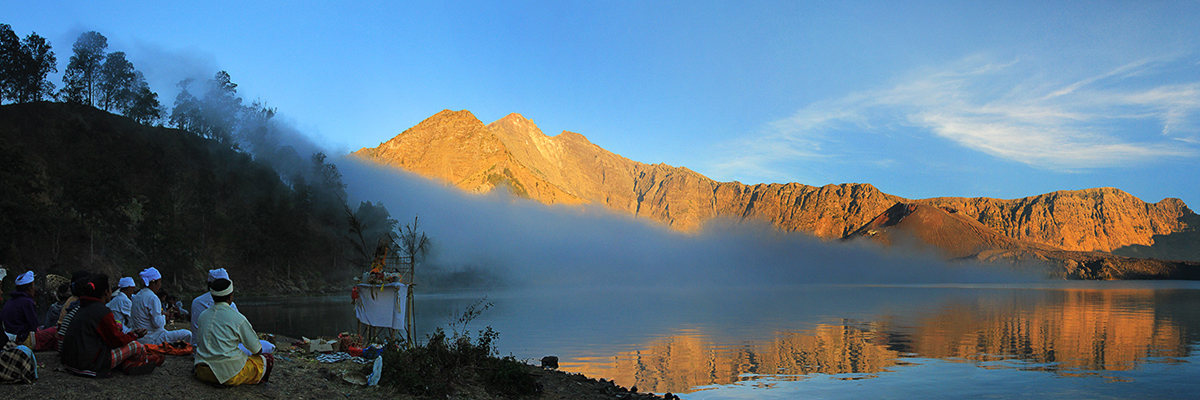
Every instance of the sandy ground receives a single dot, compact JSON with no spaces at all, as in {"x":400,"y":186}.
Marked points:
{"x":297,"y":376}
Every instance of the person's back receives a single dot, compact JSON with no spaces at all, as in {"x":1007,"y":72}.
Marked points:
{"x":121,"y":307}
{"x":222,"y":329}
{"x":19,"y":315}
{"x":82,"y":345}
{"x":17,"y":362}
{"x":145,"y":312}
{"x":199,"y":305}
{"x":121,"y":304}
{"x":94,"y":343}
{"x":61,"y":294}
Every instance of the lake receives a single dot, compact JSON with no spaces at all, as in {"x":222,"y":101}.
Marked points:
{"x":1049,"y":340}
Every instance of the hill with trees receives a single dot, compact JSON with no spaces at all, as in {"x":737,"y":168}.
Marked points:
{"x":83,"y":188}
{"x":86,"y":189}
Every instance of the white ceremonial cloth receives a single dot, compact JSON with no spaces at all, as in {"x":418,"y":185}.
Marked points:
{"x":382,"y":308}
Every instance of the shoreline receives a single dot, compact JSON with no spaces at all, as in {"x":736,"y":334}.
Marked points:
{"x":296,"y":375}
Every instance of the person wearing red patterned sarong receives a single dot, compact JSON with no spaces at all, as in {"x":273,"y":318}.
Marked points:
{"x":94,"y":344}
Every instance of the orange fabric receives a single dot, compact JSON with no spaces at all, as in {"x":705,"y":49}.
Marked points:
{"x":167,"y":348}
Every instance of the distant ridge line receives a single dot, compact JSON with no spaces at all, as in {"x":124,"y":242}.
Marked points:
{"x":512,"y":152}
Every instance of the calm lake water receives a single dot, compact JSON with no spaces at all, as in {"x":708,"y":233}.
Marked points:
{"x":1048,"y":340}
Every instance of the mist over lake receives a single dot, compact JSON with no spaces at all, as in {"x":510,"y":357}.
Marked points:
{"x":518,"y":241}
{"x":760,"y":314}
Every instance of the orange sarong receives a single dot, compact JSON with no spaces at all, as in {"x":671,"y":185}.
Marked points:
{"x":167,"y":348}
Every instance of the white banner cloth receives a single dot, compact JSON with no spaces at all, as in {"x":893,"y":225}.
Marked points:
{"x":382,"y":308}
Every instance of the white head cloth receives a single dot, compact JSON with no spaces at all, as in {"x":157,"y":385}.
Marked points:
{"x":219,"y":273}
{"x":126,"y":282}
{"x":149,"y":275}
{"x":25,"y":278}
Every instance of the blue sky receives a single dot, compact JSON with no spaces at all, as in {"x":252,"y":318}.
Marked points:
{"x":921,"y":99}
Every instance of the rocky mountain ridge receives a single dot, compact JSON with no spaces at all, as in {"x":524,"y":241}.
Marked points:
{"x":961,"y":237}
{"x":456,"y":147}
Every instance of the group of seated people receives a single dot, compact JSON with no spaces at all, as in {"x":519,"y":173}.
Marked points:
{"x":100,"y":330}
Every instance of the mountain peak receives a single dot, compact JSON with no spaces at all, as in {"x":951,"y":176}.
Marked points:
{"x":568,"y":168}
{"x":453,"y":115}
{"x":514,"y":118}
{"x":516,"y":126}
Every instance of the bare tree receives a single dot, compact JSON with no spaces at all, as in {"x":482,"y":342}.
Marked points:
{"x":414,"y":245}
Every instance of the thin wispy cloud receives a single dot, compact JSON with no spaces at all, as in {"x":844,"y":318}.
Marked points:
{"x":1129,"y":115}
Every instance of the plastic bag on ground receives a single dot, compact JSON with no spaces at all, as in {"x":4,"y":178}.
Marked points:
{"x":376,"y":371}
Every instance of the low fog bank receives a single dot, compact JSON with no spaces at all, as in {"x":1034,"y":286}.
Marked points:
{"x":498,"y":239}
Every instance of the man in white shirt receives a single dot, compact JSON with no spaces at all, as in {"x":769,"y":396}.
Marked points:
{"x":147,"y":313}
{"x":121,"y":304}
{"x":221,"y":330}
{"x":204,"y":301}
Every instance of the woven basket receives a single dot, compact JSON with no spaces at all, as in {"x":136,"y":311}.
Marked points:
{"x":53,"y":281}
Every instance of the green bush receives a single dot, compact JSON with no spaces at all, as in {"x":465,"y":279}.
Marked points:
{"x":443,"y":365}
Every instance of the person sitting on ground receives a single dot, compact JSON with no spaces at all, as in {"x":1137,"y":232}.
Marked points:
{"x":171,"y":307}
{"x":73,"y":302}
{"x":221,"y":330}
{"x":61,"y":294}
{"x":121,"y":303}
{"x":204,"y":301}
{"x":147,"y":312}
{"x":94,"y":344}
{"x":20,"y":316}
{"x":17,"y":363}
{"x":79,"y":282}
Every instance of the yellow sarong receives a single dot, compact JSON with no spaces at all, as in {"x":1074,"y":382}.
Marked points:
{"x":249,"y":375}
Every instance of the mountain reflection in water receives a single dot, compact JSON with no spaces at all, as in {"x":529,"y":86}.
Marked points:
{"x":1071,"y":332}
{"x":717,"y":340}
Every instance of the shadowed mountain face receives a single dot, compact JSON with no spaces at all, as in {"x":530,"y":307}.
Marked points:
{"x":512,"y":152}
{"x":952,"y":233}
{"x":960,"y":237}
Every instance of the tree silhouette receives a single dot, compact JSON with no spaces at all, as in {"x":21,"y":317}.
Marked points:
{"x":81,"y":79}
{"x":215,"y":115}
{"x":24,"y":66}
{"x":145,"y":107}
{"x":118,"y":82}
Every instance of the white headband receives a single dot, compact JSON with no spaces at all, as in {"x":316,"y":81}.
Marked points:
{"x":225,"y":292}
